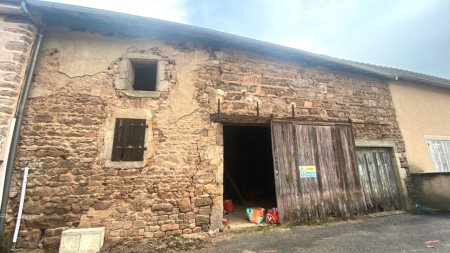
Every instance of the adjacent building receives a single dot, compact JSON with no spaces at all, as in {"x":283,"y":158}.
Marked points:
{"x":423,"y":115}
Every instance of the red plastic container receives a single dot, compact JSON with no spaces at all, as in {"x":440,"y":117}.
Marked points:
{"x":272,"y":216}
{"x":228,"y":205}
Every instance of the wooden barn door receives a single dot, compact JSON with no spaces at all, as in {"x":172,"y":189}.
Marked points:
{"x":315,"y":171}
{"x":377,"y":179}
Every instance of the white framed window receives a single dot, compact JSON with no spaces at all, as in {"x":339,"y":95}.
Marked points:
{"x":440,"y":153}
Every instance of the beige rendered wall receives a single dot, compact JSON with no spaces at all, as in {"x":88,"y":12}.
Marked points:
{"x":432,"y":190}
{"x":421,"y":110}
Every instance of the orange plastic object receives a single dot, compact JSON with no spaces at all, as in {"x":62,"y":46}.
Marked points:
{"x":255,"y":214}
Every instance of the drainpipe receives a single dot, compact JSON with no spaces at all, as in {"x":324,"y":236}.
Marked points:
{"x":19,"y":116}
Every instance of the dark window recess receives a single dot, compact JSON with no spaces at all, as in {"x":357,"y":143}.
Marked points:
{"x":144,"y":76}
{"x":129,"y":140}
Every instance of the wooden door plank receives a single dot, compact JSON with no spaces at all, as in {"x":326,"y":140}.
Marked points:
{"x":379,"y":186}
{"x":334,"y":190}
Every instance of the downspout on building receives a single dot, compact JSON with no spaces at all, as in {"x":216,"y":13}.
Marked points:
{"x":17,"y":120}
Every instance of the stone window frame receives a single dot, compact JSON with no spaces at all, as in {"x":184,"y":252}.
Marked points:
{"x":110,"y":124}
{"x":124,"y":82}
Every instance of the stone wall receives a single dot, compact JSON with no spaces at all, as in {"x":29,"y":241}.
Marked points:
{"x":16,"y":40}
{"x":317,"y":94}
{"x":178,"y":189}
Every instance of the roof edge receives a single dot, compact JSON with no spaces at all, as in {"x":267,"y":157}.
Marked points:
{"x":10,"y":8}
{"x":367,"y":69}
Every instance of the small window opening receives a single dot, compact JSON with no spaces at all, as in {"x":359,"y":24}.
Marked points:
{"x":144,"y":75}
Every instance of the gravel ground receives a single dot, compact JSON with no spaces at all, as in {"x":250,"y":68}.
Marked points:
{"x":393,"y":233}
{"x":160,"y":245}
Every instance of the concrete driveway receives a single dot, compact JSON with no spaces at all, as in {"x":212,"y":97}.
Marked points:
{"x":393,"y":233}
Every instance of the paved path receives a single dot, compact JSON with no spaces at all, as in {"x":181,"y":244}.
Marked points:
{"x":393,"y":233}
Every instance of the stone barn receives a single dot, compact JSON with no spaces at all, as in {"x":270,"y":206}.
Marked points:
{"x":144,"y":127}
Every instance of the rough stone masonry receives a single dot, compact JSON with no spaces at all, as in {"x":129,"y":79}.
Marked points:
{"x":16,"y":39}
{"x":178,"y":188}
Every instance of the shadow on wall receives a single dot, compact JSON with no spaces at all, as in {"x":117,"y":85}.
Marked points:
{"x":433,"y":190}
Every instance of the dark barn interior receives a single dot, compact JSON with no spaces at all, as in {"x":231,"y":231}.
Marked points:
{"x":248,"y":167}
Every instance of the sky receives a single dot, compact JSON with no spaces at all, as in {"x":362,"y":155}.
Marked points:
{"x":407,"y":34}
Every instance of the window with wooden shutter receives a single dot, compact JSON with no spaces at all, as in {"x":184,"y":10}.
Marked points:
{"x":440,"y":154}
{"x":129,"y":140}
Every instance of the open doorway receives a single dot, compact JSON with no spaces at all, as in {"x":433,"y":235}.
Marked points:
{"x":248,"y":170}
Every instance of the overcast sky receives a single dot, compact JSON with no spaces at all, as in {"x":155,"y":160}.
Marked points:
{"x":407,"y":34}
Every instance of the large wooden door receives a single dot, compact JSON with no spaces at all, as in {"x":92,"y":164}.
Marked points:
{"x":377,"y":179}
{"x":315,"y":171}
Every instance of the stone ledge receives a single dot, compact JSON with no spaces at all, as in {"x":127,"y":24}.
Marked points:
{"x":141,"y":93}
{"x":375,"y":143}
{"x":124,"y":165}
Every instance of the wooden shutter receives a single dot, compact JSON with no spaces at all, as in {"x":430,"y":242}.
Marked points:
{"x":129,"y":140}
{"x":440,"y":154}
